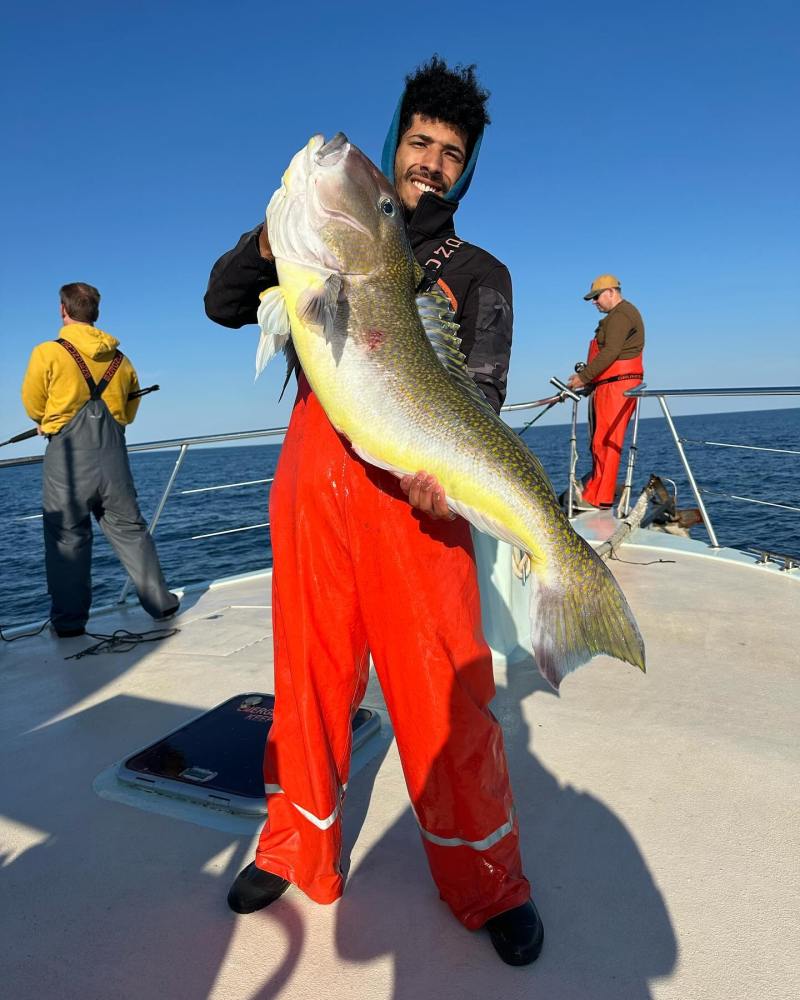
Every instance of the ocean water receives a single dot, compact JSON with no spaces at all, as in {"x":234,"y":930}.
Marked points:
{"x":760,"y":475}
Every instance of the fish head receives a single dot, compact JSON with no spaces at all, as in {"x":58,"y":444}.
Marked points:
{"x":336,"y":211}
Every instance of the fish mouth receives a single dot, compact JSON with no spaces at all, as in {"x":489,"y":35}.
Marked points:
{"x":325,"y":157}
{"x":308,"y":200}
{"x":331,"y":152}
{"x":328,"y":156}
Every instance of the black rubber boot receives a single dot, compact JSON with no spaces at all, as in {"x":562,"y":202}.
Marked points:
{"x":254,"y":889}
{"x":169,"y":613}
{"x":69,"y":633}
{"x":517,"y":934}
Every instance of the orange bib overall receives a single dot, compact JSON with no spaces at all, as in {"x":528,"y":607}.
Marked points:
{"x":609,"y":413}
{"x":356,"y":570}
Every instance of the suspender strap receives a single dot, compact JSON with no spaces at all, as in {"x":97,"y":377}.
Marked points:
{"x":437,"y":263}
{"x":71,"y":349}
{"x":96,"y":389}
{"x":428,"y":280}
{"x":108,"y":374}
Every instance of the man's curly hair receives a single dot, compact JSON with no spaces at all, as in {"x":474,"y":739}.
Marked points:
{"x":449,"y":95}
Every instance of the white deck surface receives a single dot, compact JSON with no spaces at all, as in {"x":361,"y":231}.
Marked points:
{"x":659,"y":818}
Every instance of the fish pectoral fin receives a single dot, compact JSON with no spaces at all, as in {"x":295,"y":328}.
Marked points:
{"x":273,"y":318}
{"x":318,"y":306}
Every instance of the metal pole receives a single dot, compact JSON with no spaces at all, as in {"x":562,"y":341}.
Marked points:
{"x":161,"y":504}
{"x":573,"y":457}
{"x":701,"y":506}
{"x":625,"y":499}
{"x":568,"y":393}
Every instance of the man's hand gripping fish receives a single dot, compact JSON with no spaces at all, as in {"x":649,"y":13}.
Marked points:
{"x":385,"y":365}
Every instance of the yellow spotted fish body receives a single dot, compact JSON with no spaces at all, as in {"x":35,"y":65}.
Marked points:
{"x":385,"y":365}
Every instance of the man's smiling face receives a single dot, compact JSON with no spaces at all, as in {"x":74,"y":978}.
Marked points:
{"x":431,"y":156}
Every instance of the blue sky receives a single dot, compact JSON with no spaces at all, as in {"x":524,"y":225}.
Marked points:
{"x":656,"y":141}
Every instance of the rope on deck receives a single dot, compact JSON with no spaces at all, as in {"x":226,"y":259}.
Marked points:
{"x":630,"y":523}
{"x":521,"y":562}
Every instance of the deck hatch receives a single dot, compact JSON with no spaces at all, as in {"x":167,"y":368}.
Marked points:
{"x":216,"y":758}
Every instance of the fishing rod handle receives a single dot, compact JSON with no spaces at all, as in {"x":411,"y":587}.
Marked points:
{"x":143,"y":392}
{"x":23,"y":437}
{"x":565,"y":389}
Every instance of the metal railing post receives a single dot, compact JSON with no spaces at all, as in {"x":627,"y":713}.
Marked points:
{"x":625,"y":498}
{"x":568,"y":393}
{"x":701,"y":506}
{"x":573,"y":458}
{"x":151,"y":527}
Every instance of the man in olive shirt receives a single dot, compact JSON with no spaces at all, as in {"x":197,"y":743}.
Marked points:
{"x":614,"y":365}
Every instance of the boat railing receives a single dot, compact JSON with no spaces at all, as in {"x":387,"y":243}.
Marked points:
{"x":641,"y":392}
{"x":183,"y":445}
{"x":564,"y":393}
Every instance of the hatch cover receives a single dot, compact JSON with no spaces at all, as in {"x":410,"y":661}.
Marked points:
{"x":216,"y":758}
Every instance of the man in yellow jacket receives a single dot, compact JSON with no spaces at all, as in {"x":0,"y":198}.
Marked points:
{"x":77,"y":389}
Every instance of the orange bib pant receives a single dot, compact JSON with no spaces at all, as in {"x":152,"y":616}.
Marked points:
{"x":356,"y":570}
{"x":610,"y":411}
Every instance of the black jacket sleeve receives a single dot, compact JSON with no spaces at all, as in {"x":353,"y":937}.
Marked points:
{"x":236,"y":281}
{"x":487,"y":322}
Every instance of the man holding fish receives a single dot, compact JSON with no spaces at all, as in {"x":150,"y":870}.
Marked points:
{"x":371,"y":557}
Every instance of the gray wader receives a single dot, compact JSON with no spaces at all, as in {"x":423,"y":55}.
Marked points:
{"x":86,"y":472}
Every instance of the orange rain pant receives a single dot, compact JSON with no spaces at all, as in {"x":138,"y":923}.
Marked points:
{"x":357,"y":570}
{"x":609,"y":413}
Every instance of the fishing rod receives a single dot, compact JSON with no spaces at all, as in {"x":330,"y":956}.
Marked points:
{"x":143,"y":392}
{"x":35,"y":430}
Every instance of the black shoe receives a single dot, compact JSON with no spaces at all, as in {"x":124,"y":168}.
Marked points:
{"x":69,"y":633}
{"x":517,"y":934}
{"x":254,"y":889}
{"x":170,"y":613}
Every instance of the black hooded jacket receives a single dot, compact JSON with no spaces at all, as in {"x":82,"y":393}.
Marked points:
{"x":478,"y":285}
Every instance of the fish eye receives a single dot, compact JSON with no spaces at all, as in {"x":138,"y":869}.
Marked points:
{"x":387,"y":207}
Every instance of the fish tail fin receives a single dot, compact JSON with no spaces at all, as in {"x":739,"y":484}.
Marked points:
{"x":572,"y":622}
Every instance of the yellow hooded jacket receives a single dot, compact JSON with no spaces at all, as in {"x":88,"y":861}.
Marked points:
{"x":54,"y":388}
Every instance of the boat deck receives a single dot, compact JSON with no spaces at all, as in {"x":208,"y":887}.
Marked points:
{"x":659,"y":816}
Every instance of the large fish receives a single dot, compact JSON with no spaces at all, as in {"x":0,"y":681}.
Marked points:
{"x":385,"y":365}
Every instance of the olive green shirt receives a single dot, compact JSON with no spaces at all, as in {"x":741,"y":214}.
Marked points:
{"x":620,"y":334}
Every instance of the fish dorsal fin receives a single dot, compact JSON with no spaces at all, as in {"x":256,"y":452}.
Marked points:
{"x":273,"y":318}
{"x":438,"y":321}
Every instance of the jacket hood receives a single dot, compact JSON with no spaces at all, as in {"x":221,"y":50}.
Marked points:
{"x":90,"y":341}
{"x":459,"y":189}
